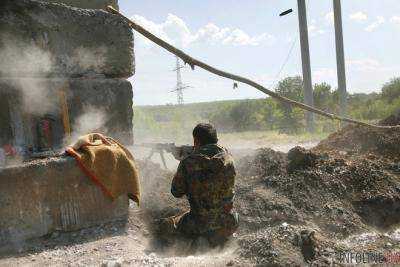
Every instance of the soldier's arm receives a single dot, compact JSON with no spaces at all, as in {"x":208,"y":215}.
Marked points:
{"x":229,"y":193}
{"x":181,"y":152}
{"x":178,"y":186}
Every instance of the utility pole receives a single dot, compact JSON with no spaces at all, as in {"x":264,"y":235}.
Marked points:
{"x":179,"y":85}
{"x":341,"y":70}
{"x":306,"y":65}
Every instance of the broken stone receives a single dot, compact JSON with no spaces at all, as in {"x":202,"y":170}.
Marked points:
{"x":112,"y":263}
{"x":308,"y":244}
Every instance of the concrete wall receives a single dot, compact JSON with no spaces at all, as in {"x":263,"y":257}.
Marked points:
{"x":94,"y":4}
{"x":51,"y":195}
{"x":111,"y":98}
{"x":86,"y":53}
{"x":63,"y":41}
{"x":90,"y":49}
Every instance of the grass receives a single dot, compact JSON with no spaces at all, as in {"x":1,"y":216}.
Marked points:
{"x":272,"y":139}
{"x":248,"y":139}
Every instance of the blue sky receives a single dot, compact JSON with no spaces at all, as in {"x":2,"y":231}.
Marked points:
{"x":250,"y":39}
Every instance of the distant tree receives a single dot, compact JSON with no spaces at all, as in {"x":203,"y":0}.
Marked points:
{"x":222,"y":120}
{"x":292,"y":88}
{"x":270,"y":113}
{"x":391,"y":90}
{"x":246,"y":115}
{"x":322,"y":96}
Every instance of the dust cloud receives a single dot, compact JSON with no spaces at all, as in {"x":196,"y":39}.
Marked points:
{"x":27,"y":67}
{"x":92,"y":120}
{"x":28,"y":60}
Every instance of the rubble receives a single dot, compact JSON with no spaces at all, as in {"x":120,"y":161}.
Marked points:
{"x":335,"y":194}
{"x":297,"y":208}
{"x":300,"y":158}
{"x":353,"y":140}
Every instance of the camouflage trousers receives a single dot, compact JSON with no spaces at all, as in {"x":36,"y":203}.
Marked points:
{"x":191,"y":227}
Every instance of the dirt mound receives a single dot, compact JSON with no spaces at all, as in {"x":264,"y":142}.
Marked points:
{"x":356,"y":140}
{"x":347,"y":185}
{"x":361,"y":140}
{"x":263,"y":161}
{"x":298,"y":207}
{"x":392,"y":120}
{"x":300,"y":158}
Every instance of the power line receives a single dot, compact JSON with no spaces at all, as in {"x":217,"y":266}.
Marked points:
{"x":276,"y":78}
{"x":179,"y":85}
{"x":193,"y":62}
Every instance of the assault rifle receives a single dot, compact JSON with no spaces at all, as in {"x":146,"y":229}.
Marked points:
{"x":179,"y":152}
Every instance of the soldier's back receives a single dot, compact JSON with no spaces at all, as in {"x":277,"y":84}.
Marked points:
{"x":210,"y":175}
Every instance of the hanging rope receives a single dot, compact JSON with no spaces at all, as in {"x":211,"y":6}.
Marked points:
{"x":194,"y":62}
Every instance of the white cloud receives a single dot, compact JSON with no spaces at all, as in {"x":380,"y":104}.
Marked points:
{"x":175,"y":31}
{"x":379,"y":20}
{"x":395,"y":20}
{"x":359,"y":16}
{"x":366,"y":64}
{"x":329,"y":17}
{"x":239,"y":37}
{"x":263,"y":78}
{"x":314,"y":30}
{"x":324,"y":74}
{"x":211,"y":33}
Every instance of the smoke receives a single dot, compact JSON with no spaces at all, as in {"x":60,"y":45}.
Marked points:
{"x":92,"y":120}
{"x":89,"y":59}
{"x":37,"y":98}
{"x":22,"y":59}
{"x":28,"y":65}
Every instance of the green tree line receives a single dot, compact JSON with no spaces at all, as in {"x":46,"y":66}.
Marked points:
{"x":269,"y":114}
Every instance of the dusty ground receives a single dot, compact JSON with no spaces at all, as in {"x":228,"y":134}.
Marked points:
{"x":336,"y":203}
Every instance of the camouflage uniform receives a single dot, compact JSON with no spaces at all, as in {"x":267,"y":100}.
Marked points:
{"x":207,"y":178}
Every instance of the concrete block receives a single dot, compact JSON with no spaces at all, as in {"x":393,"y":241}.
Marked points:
{"x":91,"y":4}
{"x":113,"y":98}
{"x":51,"y":195}
{"x":103,"y":105}
{"x":42,"y":39}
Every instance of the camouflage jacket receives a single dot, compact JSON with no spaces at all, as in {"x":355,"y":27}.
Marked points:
{"x":207,"y":178}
